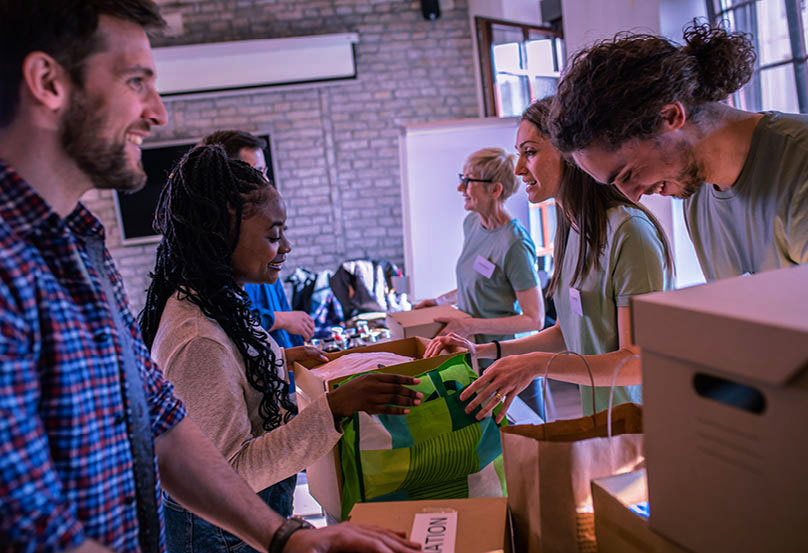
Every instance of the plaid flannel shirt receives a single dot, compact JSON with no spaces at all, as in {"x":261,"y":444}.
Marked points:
{"x":65,"y":456}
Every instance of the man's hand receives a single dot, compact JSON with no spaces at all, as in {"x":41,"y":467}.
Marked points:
{"x":425,"y":303}
{"x":375,"y":393}
{"x":295,"y":322}
{"x":349,"y":538}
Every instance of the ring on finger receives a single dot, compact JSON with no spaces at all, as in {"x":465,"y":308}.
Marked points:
{"x":499,"y":396}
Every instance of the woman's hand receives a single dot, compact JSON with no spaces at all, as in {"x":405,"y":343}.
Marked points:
{"x":426,"y":303}
{"x":375,"y":393}
{"x":304,"y":353}
{"x":460,"y":326}
{"x":449,"y":343}
{"x":295,"y":322}
{"x":502,"y":381}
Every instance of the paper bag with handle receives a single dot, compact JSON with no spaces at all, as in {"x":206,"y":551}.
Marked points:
{"x":548,"y":468}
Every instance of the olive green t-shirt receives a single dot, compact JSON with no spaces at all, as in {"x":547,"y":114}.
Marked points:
{"x":632,"y":263}
{"x":512,"y":253}
{"x":761,"y":223}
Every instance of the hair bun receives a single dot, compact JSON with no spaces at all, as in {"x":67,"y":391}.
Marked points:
{"x":724,"y":61}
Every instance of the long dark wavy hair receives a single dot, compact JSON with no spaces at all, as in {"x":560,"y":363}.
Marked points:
{"x":199,"y":215}
{"x":582,"y":203}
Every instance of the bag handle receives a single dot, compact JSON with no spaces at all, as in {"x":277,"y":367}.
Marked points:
{"x":592,"y":380}
{"x":589,"y":370}
{"x":611,"y":392}
{"x":437,"y":382}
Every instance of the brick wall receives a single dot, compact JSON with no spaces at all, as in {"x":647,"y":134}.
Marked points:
{"x":335,"y":146}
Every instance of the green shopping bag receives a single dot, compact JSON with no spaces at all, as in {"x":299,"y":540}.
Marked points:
{"x":437,"y":451}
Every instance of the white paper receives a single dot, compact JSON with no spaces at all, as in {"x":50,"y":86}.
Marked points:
{"x":575,"y":302}
{"x":436,"y":532}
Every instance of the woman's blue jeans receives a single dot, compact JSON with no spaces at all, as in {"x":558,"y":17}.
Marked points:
{"x":188,"y":533}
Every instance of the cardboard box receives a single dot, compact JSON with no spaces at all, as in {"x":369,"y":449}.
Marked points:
{"x":325,"y":475}
{"x":421,"y":322}
{"x":619,"y":529}
{"x":725,"y":409}
{"x":483,"y":524}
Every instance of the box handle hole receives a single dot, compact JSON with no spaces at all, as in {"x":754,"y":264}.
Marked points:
{"x":739,"y":396}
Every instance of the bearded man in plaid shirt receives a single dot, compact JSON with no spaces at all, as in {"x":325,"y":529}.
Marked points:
{"x":88,"y":424}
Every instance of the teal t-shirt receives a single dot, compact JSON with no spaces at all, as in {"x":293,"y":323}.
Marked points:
{"x":632,"y":263}
{"x":511,"y":251}
{"x":761,"y":223}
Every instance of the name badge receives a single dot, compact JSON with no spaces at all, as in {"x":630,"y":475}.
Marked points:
{"x":436,"y":532}
{"x":575,"y":302}
{"x":483,"y":266}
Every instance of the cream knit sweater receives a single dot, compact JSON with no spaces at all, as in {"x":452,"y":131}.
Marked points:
{"x":209,"y":376}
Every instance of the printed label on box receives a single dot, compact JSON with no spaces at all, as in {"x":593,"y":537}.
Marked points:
{"x":436,"y":532}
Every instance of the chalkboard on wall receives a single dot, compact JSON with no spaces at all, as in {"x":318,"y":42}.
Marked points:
{"x":136,"y":211}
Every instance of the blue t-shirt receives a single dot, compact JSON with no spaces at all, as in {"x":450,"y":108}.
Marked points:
{"x":266,"y":299}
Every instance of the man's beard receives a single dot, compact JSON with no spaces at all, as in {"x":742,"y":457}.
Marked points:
{"x":104,"y":162}
{"x":692,"y":176}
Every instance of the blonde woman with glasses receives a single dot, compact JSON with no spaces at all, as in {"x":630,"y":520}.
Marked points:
{"x":497,"y":283}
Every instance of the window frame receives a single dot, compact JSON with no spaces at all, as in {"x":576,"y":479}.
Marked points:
{"x":798,"y":59}
{"x":483,"y":27}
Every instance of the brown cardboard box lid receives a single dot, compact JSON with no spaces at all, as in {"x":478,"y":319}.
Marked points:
{"x":483,"y":524}
{"x":737,"y":325}
{"x":308,"y":382}
{"x":426,"y":315}
{"x":618,"y":529}
{"x":411,"y":347}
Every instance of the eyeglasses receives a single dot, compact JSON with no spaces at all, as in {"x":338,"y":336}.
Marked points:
{"x":464,"y":180}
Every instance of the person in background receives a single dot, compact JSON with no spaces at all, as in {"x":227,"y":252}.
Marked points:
{"x":607,"y":249}
{"x":288,"y":328}
{"x":223,"y":225}
{"x":648,"y":115}
{"x":497,"y":283}
{"x":90,"y":430}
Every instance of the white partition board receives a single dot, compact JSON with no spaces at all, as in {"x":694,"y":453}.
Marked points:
{"x":432,"y":154}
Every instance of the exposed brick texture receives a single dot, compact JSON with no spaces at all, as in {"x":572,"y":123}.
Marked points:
{"x":335,"y":146}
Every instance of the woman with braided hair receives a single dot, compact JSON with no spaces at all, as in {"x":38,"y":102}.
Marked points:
{"x":223,"y":225}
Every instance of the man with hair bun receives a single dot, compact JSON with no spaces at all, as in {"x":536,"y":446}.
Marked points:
{"x":647,"y":115}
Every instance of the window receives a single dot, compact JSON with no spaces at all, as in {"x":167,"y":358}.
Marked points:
{"x":778,"y":28}
{"x":542,"y":231}
{"x":519,"y":64}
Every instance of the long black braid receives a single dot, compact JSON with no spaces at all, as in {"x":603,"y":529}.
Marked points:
{"x":199,"y":215}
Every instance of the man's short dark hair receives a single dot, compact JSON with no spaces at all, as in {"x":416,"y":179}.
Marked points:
{"x":234,"y":141}
{"x":67,"y":30}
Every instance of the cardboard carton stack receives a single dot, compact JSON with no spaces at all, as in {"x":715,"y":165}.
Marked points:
{"x":725,"y":393}
{"x":618,"y":528}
